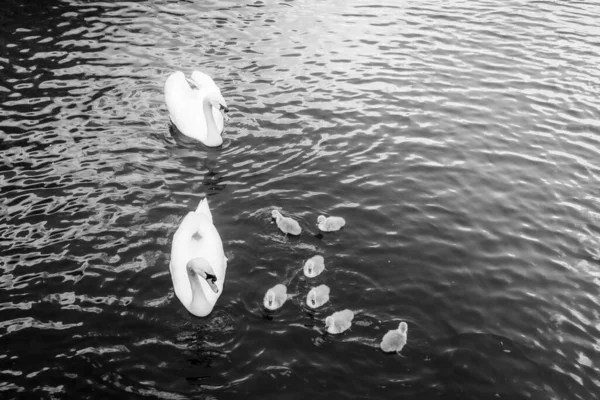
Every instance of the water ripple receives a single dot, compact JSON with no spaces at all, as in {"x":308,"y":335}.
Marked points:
{"x":458,"y":140}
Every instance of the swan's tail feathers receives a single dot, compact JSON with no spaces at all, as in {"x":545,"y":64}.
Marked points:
{"x":204,"y":210}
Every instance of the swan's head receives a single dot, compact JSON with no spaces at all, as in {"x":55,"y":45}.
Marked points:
{"x":200,"y":267}
{"x":402,"y":328}
{"x":218,"y":102}
{"x":275,"y":214}
{"x":211,"y":279}
{"x":320,"y":219}
{"x":205,"y":82}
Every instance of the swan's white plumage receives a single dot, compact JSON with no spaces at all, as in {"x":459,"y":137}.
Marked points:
{"x":314,"y":266}
{"x":318,"y":296}
{"x":395,"y":339}
{"x":205,"y":82}
{"x":275,"y":297}
{"x":286,"y":224}
{"x":187,"y":106}
{"x":197,"y":237}
{"x":339,"y":321}
{"x":330,"y":224}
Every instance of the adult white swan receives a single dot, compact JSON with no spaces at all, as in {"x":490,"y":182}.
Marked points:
{"x":198,"y":263}
{"x":195,"y":106}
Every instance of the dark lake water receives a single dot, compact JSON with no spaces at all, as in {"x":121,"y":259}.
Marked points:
{"x":459,"y":140}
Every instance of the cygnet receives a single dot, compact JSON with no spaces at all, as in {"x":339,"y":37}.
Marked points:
{"x":275,"y":297}
{"x":286,"y":224}
{"x":330,"y":224}
{"x":318,"y":296}
{"x":339,"y":321}
{"x":395,"y":339}
{"x":314,"y":266}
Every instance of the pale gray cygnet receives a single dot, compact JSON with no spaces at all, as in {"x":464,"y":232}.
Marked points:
{"x":330,"y":224}
{"x":286,"y":224}
{"x":339,"y":321}
{"x":314,"y":266}
{"x":275,"y":297}
{"x":395,"y":339}
{"x":318,"y":296}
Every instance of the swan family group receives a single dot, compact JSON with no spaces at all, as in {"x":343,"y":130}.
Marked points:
{"x":198,"y":263}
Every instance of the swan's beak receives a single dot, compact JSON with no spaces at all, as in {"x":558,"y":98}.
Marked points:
{"x":224,"y":110}
{"x":210,"y":279}
{"x":213,"y":286}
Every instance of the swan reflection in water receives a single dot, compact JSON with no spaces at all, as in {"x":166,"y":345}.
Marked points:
{"x":197,"y":157}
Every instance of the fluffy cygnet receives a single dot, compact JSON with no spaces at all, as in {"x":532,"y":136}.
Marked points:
{"x":275,"y":297}
{"x":339,"y":321}
{"x":286,"y":224}
{"x":395,"y":339}
{"x":318,"y":296}
{"x":314,"y":266}
{"x":330,"y":224}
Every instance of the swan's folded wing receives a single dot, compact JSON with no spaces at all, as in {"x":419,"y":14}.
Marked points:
{"x":187,"y":115}
{"x":185,"y":106}
{"x":192,"y":223}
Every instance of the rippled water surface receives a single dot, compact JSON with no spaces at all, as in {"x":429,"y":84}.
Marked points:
{"x":460,"y":141}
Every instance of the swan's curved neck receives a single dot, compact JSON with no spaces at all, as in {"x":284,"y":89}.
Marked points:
{"x":213,"y":136}
{"x":199,"y":304}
